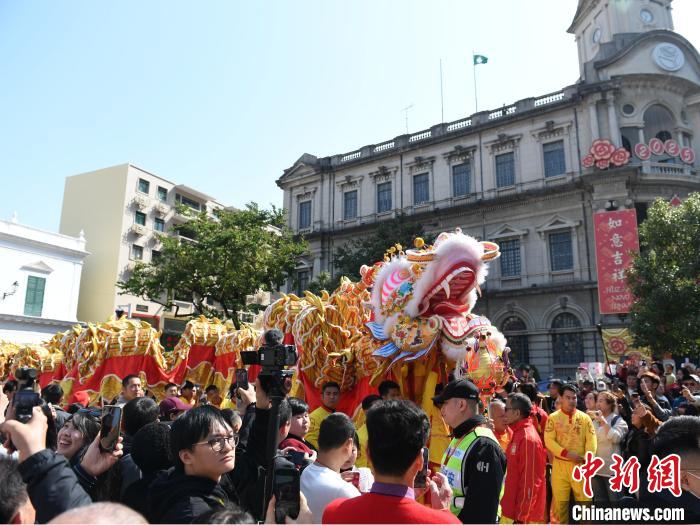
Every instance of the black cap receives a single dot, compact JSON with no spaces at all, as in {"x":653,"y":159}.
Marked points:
{"x":463,"y":389}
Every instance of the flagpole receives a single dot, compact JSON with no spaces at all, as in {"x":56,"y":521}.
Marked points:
{"x":476,"y":105}
{"x":442,"y":100}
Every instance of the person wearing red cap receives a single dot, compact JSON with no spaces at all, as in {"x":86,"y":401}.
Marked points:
{"x":171,"y":408}
{"x":524,"y":497}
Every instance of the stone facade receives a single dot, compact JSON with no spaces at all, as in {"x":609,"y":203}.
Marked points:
{"x":514,"y":175}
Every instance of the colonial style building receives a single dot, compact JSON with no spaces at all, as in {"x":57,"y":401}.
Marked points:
{"x":39,"y":282}
{"x":516,"y":176}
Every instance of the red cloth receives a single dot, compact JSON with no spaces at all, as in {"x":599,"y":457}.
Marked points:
{"x":378,"y":508}
{"x":525,"y":492}
{"x":296,"y":445}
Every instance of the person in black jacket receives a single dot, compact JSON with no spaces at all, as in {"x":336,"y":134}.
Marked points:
{"x":203,"y":447}
{"x":478,"y":485}
{"x":52,"y":484}
{"x":247,"y":480}
{"x":151,"y":454}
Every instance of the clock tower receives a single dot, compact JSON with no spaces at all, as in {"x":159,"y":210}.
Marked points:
{"x":603,"y":27}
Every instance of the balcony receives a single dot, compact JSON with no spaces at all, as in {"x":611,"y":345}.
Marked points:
{"x":138,"y":229}
{"x":161,"y":209}
{"x":141,"y":202}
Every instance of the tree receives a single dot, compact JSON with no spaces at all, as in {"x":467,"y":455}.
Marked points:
{"x":323,"y":281}
{"x":214,"y":262}
{"x":371,"y":248}
{"x":665,"y":279}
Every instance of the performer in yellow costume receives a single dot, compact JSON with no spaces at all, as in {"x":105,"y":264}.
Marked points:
{"x":569,"y":434}
{"x":330,"y":395}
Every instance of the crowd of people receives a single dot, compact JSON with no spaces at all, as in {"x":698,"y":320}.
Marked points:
{"x":200,"y":456}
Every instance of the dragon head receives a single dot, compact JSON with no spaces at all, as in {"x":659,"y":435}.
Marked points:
{"x":427,"y":293}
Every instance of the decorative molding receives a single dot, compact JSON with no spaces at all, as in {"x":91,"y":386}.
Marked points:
{"x":306,"y":194}
{"x":557,"y":222}
{"x":504,"y":143}
{"x":460,"y":154}
{"x":37,"y":267}
{"x":349,"y":182}
{"x":552,"y":130}
{"x":383,"y":174}
{"x":507,"y":231}
{"x":420,"y":164}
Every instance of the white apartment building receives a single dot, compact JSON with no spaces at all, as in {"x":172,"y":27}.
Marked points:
{"x":121,"y":209}
{"x":516,"y":175}
{"x":39,"y":282}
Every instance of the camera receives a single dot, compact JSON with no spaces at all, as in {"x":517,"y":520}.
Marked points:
{"x":274,"y":358}
{"x":25,"y":399}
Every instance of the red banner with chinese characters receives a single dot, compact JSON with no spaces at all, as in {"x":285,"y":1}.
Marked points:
{"x":615,"y":238}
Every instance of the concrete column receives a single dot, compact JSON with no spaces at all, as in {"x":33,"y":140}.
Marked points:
{"x":612,"y":121}
{"x":641,"y":135}
{"x":593,"y":114}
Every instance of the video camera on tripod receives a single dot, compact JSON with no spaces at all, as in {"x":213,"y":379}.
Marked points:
{"x":275,"y":359}
{"x":25,"y":399}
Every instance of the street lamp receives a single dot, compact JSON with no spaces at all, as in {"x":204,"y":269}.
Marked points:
{"x":13,"y":290}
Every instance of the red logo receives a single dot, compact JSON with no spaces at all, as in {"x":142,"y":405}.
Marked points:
{"x":665,"y":474}
{"x":586,"y":472}
{"x":625,"y":474}
{"x":602,"y":149}
{"x":620,"y":157}
{"x":588,"y":161}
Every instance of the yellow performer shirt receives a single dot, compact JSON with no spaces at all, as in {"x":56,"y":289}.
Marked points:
{"x":574,"y":432}
{"x":362,"y":457}
{"x":315,"y":419}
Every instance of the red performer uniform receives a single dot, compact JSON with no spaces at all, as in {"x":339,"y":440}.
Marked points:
{"x":525,"y":494}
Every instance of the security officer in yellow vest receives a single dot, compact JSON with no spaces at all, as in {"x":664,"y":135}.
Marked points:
{"x":474,"y":463}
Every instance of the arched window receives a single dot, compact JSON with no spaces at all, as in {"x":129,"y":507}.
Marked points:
{"x":659,"y":122}
{"x":567,"y":339}
{"x":515,"y":330}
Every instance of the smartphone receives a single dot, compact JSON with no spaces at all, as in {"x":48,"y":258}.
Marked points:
{"x":24,"y":402}
{"x":286,"y":488}
{"x":421,"y":478}
{"x":242,"y":378}
{"x":297,"y":457}
{"x":109,"y":427}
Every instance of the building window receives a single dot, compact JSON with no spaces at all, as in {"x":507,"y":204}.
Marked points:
{"x":658,"y":122}
{"x":505,"y":170}
{"x":383,"y":197}
{"x":140,"y":218}
{"x":303,"y":277}
{"x":34,"y":299}
{"x":461,"y":179}
{"x":144,"y":186}
{"x":554,"y":162}
{"x":137,"y":252}
{"x":567,"y":341}
{"x":561,"y":256}
{"x":510,"y":258}
{"x":181,"y":199}
{"x":350,"y":205}
{"x":155,"y":256}
{"x":421,"y":192}
{"x":162,"y":194}
{"x":159,"y":225}
{"x":304,"y":215}
{"x":513,"y":328}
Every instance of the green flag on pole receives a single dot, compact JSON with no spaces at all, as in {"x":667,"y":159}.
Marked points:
{"x":480,"y":59}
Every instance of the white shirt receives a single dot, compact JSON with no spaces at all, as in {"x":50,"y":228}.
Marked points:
{"x":609,"y":441}
{"x":322,"y":485}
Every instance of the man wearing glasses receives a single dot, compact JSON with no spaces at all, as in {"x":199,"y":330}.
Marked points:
{"x":203,"y":446}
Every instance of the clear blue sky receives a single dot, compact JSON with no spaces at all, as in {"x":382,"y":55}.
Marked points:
{"x":223,"y":96}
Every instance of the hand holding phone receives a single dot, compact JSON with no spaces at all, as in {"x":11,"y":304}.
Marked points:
{"x":242,"y":378}
{"x":109,"y":427}
{"x":286,"y":489}
{"x":420,"y":480}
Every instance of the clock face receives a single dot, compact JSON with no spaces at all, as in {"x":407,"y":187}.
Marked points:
{"x":596,"y":35}
{"x":646,"y":16}
{"x":668,"y":56}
